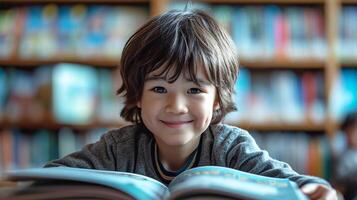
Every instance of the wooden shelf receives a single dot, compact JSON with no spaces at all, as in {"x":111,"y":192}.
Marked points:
{"x":305,"y":127}
{"x":348,"y":1}
{"x":263,"y":1}
{"x":148,"y":1}
{"x":51,"y":125}
{"x":284,"y":63}
{"x":349,"y":64}
{"x":204,"y":1}
{"x":37,"y":62}
{"x":7,"y":184}
{"x":298,"y":64}
{"x":76,"y":1}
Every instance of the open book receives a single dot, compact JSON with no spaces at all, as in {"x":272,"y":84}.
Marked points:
{"x":209,"y":182}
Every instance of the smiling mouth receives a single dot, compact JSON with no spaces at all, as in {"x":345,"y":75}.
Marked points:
{"x":176,"y":124}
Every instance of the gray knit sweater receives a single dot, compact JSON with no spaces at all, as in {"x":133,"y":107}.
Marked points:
{"x":129,"y":149}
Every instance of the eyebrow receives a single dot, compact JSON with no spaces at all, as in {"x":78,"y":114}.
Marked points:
{"x":200,"y":81}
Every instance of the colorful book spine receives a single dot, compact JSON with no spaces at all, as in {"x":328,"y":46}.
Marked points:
{"x":306,"y":153}
{"x":347,"y":48}
{"x":275,"y":32}
{"x":267,"y":97}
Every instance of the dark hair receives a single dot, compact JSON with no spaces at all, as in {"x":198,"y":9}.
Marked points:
{"x":349,"y":120}
{"x":178,"y":42}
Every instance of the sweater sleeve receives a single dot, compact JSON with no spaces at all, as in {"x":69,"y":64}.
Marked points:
{"x":244,"y":154}
{"x":99,"y":155}
{"x":346,"y":168}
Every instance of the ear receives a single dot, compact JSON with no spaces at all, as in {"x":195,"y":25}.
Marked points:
{"x":138,"y":104}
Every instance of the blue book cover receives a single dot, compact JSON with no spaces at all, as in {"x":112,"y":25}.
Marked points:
{"x":242,"y":91}
{"x":200,"y":182}
{"x":271,"y":13}
{"x":241,"y":32}
{"x":71,"y":30}
{"x":74,"y":93}
{"x":349,"y":81}
{"x":38,"y":38}
{"x":343,"y":98}
{"x":3,"y":92}
{"x":131,"y":185}
{"x":108,"y":108}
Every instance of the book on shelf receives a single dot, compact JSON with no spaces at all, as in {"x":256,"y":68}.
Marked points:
{"x":21,"y":103}
{"x":197,"y":183}
{"x":242,"y":96}
{"x":306,"y":153}
{"x":9,"y":20}
{"x":267,"y":97}
{"x":291,"y":32}
{"x":25,"y":94}
{"x":343,"y":96}
{"x":3,"y":92}
{"x":74,"y":93}
{"x":109,"y":105}
{"x":347,"y":41}
{"x":70,"y":140}
{"x":21,"y":148}
{"x":60,"y":30}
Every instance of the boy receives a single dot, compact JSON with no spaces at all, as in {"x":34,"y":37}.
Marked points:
{"x":346,"y":168}
{"x":178,"y":73}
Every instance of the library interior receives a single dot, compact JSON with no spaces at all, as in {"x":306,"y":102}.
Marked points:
{"x":59,"y":75}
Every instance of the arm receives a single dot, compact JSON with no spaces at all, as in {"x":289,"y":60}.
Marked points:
{"x":346,"y":169}
{"x":245,"y":155}
{"x":98,"y":155}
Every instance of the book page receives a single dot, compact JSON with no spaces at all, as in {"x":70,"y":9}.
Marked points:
{"x":230,"y":183}
{"x":137,"y":186}
{"x":69,"y":190}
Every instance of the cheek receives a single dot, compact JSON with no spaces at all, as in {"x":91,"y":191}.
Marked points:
{"x":148,"y":106}
{"x":203,"y":113}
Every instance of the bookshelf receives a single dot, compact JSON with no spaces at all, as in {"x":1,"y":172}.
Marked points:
{"x":329,"y":66}
{"x":283,"y":63}
{"x":32,"y":63}
{"x":266,"y":127}
{"x":287,"y":2}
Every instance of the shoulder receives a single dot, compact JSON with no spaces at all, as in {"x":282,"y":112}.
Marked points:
{"x":228,"y":132}
{"x":229,"y":143}
{"x":126,"y":134}
{"x":226,"y":137}
{"x":348,"y":157}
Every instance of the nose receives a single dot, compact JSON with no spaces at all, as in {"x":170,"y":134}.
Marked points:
{"x":176,"y":104}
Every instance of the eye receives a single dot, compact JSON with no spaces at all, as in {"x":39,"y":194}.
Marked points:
{"x":194,"y":91}
{"x":159,"y":90}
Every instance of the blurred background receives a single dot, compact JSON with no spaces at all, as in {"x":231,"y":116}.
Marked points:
{"x":58,"y":74}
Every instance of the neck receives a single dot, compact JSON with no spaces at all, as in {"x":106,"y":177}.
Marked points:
{"x":174,"y":157}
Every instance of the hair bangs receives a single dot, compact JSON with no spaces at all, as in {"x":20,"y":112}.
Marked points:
{"x":182,"y":54}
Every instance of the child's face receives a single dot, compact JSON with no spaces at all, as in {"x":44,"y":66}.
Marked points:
{"x":177,"y":113}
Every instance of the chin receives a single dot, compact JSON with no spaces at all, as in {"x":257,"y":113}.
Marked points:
{"x":177,"y":141}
